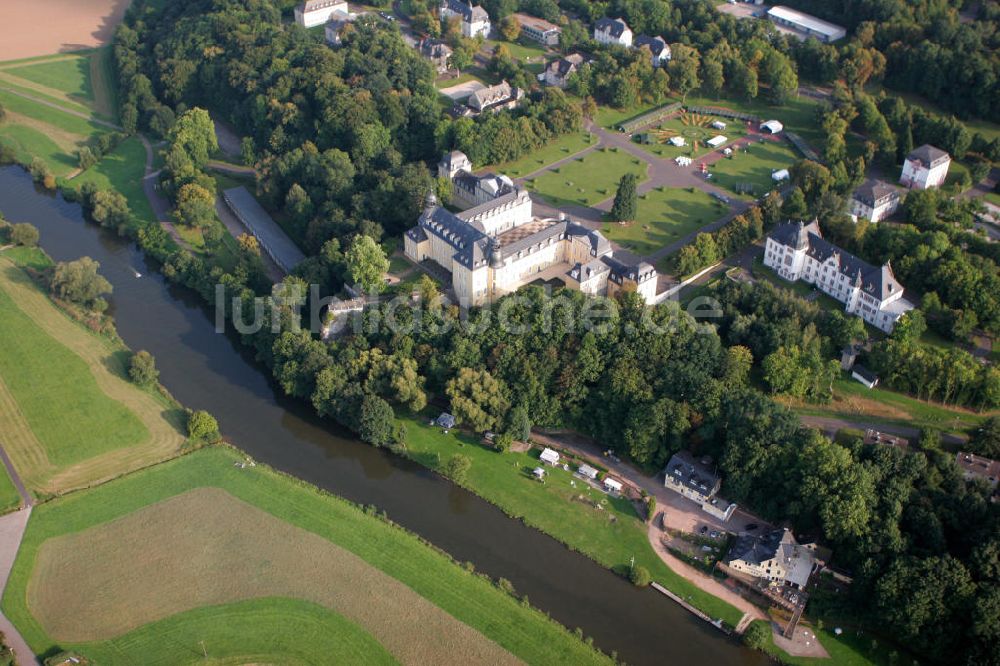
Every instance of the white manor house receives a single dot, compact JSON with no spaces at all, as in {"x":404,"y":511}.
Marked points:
{"x":497,"y":245}
{"x":798,"y":251}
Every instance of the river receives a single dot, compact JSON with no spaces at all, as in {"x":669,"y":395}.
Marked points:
{"x":206,"y":370}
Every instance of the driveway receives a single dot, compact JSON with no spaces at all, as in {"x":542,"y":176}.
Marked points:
{"x":12,"y":528}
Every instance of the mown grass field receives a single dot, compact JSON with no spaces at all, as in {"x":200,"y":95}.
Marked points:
{"x":610,"y":535}
{"x":665,"y":215}
{"x":82,"y":79}
{"x":69,"y":416}
{"x":798,"y":114}
{"x":9,"y":497}
{"x":273,"y":546}
{"x":589,"y":179}
{"x":29,"y":139}
{"x":753,"y":165}
{"x":123,"y":169}
{"x":695,"y":129}
{"x":557,"y":149}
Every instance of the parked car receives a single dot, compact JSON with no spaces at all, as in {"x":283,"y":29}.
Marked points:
{"x":713,"y":534}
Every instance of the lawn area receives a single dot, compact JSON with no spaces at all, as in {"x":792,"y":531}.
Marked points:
{"x":54,"y":117}
{"x":69,"y":74}
{"x":268,"y":550}
{"x":610,"y":118}
{"x":30,"y":142}
{"x":753,"y":165}
{"x":665,"y":215}
{"x":610,"y":535}
{"x":797,"y":115}
{"x":10,"y":499}
{"x":69,"y":416}
{"x":523,"y":50}
{"x":589,"y":179}
{"x":559,"y":148}
{"x":695,"y":129}
{"x":123,"y":169}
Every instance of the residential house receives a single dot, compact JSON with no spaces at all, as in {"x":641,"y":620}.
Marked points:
{"x":874,"y":201}
{"x":335,"y":27}
{"x":437,"y":52}
{"x":774,"y":556}
{"x":317,"y":12}
{"x":494,"y":98}
{"x":612,"y":485}
{"x":558,"y":71}
{"x":805,"y":25}
{"x":978,"y":467}
{"x":658,"y":48}
{"x":925,"y":167}
{"x":474,"y":19}
{"x":538,"y":30}
{"x":797,"y":251}
{"x":698,"y":481}
{"x":445,"y":420}
{"x":496,"y":247}
{"x":613,"y":31}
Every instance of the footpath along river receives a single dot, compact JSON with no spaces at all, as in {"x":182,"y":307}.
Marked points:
{"x":206,"y":370}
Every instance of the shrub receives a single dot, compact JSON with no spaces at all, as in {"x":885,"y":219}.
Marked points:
{"x":457,"y":467}
{"x":203,"y":426}
{"x":756,"y":635}
{"x":142,"y":369}
{"x":639,"y":575}
{"x":24,"y":234}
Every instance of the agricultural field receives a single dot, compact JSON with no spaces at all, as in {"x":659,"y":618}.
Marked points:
{"x":234,"y":561}
{"x":604,"y":528}
{"x":70,"y":417}
{"x":752,"y":165}
{"x":559,"y":148}
{"x":694,"y":128}
{"x":665,"y":215}
{"x":589,"y":179}
{"x":10,"y":499}
{"x":68,"y":25}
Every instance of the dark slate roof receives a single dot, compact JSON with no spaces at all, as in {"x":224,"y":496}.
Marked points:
{"x":872,"y":191}
{"x":616,"y":27}
{"x":756,"y":549}
{"x":875,"y":281}
{"x":682,"y":468}
{"x":434,"y":48}
{"x":468,"y":11}
{"x":928,"y":155}
{"x":620,"y":270}
{"x":566,"y":66}
{"x":313,"y":5}
{"x":864,"y":373}
{"x":584,"y":272}
{"x":656,"y":45}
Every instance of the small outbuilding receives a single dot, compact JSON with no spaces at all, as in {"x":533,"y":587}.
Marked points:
{"x":549,"y":456}
{"x":771,"y":127}
{"x":717,"y":141}
{"x":780,"y":175}
{"x":587,"y":472}
{"x":865,"y":376}
{"x":446,"y":421}
{"x":678,"y":141}
{"x":538,"y":473}
{"x":612,"y":485}
{"x":682,"y":160}
{"x":718,"y":124}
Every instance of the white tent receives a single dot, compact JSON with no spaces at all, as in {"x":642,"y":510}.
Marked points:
{"x":613,"y":484}
{"x":717,"y":141}
{"x":778,"y":176}
{"x":549,"y":456}
{"x":719,"y":125}
{"x":682,"y":160}
{"x":678,"y":141}
{"x":772,"y":126}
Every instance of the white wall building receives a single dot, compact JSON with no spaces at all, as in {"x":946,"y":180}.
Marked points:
{"x":799,"y":252}
{"x":806,"y":25}
{"x":496,"y":247}
{"x":613,"y":31}
{"x":474,"y":19}
{"x":558,"y":71}
{"x":317,"y":12}
{"x":539,"y":30}
{"x":658,"y":49}
{"x":775,"y":557}
{"x":925,"y":167}
{"x":874,"y":201}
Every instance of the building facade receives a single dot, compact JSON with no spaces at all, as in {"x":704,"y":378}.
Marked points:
{"x":806,"y":24}
{"x":658,"y":48}
{"x":317,"y":12}
{"x":874,"y":201}
{"x":538,"y":30}
{"x":775,"y":557}
{"x":494,"y":98}
{"x":494,"y":248}
{"x":558,"y":71}
{"x":797,"y":251}
{"x":473,"y":18}
{"x":697,"y":481}
{"x":613,"y":31}
{"x":437,"y":52}
{"x":925,"y":167}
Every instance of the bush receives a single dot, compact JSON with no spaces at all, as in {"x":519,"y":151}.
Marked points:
{"x":757,"y":635}
{"x":24,"y":234}
{"x":502,"y":442}
{"x":639,"y":575}
{"x":203,"y":426}
{"x":142,"y":369}
{"x":457,"y":467}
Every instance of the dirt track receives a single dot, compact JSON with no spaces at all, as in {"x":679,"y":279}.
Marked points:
{"x":60,"y":25}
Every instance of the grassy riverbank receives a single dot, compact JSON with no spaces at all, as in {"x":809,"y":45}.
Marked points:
{"x":605,"y":529}
{"x":125,"y":539}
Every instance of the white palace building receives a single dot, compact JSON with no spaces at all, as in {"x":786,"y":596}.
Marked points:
{"x":497,"y":245}
{"x":798,"y":251}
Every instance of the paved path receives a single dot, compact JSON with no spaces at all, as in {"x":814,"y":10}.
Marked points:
{"x":158,"y":202}
{"x":12,"y":528}
{"x":833,"y":423}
